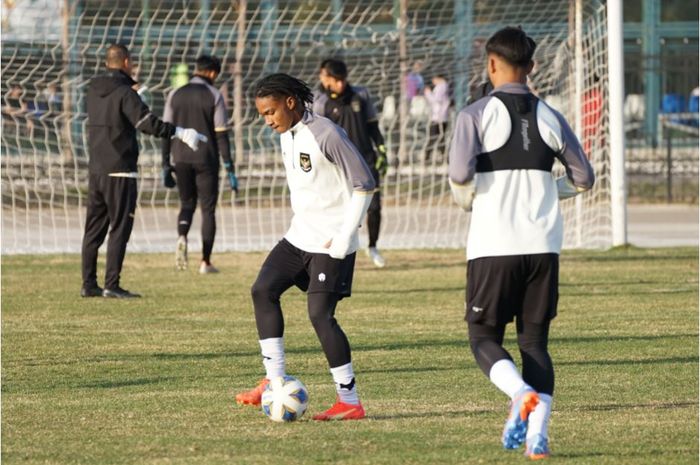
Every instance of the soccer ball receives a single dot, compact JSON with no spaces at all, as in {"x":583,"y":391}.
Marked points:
{"x":285,"y":399}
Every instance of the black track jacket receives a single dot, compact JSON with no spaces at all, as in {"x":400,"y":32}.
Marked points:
{"x":115,"y":111}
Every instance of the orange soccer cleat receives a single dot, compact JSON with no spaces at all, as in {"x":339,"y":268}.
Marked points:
{"x":253,"y":396}
{"x":341,"y":411}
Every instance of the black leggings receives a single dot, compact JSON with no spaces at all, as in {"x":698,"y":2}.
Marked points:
{"x":266,"y":294}
{"x":198,"y":182}
{"x":487,"y":345}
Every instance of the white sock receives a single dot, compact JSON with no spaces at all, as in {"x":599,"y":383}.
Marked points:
{"x":272,"y":350}
{"x":344,"y":378}
{"x":539,"y":418}
{"x":506,"y":377}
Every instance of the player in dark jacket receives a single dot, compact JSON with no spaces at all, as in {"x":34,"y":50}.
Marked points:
{"x":351,"y":108}
{"x":199,"y":105}
{"x":115,"y":113}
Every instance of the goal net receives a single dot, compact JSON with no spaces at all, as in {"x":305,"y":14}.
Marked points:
{"x":51,"y":49}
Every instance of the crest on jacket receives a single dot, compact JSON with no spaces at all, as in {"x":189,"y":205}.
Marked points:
{"x":305,"y":162}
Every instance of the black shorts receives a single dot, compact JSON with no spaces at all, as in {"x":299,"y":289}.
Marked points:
{"x":310,"y":272}
{"x":501,"y":288}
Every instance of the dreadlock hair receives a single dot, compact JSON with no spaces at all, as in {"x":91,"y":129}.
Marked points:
{"x":284,"y":85}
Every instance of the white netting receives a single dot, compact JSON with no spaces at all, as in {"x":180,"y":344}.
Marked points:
{"x":49,"y":54}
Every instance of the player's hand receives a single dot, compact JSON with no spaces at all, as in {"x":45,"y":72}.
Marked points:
{"x":381,"y":165}
{"x":167,"y":175}
{"x":339,"y":247}
{"x":190,"y":137}
{"x":231,"y":174}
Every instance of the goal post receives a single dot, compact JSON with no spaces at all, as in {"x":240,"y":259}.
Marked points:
{"x":52,"y":48}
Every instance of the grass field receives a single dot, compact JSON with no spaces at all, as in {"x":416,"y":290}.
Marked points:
{"x":152,"y":381}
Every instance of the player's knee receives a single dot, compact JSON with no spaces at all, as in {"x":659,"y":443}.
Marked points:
{"x":209,"y":207}
{"x":188,"y":206}
{"x":532,"y":344}
{"x":321,"y":318}
{"x":261,"y":291}
{"x":375,"y":205}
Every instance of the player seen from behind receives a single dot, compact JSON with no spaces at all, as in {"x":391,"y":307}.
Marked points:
{"x":501,"y":157}
{"x":200,"y":105}
{"x":330,"y":188}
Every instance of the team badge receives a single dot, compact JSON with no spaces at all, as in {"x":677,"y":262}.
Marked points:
{"x":322,"y":277}
{"x":305,"y":162}
{"x":355,"y":105}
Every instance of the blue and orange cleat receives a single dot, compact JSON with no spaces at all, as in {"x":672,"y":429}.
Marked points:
{"x":515,"y":429}
{"x":341,"y":411}
{"x":537,"y":448}
{"x":253,"y":396}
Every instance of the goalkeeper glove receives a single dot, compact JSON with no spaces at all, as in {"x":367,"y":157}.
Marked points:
{"x":190,"y":137}
{"x":381,"y":165}
{"x":232,"y":179}
{"x":167,"y":175}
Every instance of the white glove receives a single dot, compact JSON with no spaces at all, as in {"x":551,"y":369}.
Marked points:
{"x":190,"y":137}
{"x":339,"y":247}
{"x":463,"y":194}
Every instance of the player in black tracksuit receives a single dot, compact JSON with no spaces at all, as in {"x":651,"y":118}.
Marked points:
{"x":115,"y":113}
{"x":351,"y":108}
{"x":199,"y":105}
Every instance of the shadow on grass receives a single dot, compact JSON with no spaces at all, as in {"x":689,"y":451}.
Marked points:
{"x":439,"y":414}
{"x":635,"y":406}
{"x":457,"y":342}
{"x":652,"y":361}
{"x":632,"y":292}
{"x":417,"y":290}
{"x":691,"y":254}
{"x":110,"y":384}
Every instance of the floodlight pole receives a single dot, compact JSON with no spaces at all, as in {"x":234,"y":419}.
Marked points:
{"x":616,"y":96}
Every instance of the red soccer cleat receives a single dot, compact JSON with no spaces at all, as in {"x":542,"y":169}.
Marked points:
{"x":253,"y":396}
{"x":341,"y":411}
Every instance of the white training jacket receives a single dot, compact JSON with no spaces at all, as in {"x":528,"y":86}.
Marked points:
{"x":323,"y":170}
{"x":505,"y":144}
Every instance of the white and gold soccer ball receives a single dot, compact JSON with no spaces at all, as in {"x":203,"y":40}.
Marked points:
{"x":285,"y":399}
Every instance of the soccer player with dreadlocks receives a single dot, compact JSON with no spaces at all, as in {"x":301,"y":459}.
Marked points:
{"x":331,"y":188}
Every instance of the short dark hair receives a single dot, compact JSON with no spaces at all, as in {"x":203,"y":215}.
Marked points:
{"x":116,"y":54}
{"x":208,"y":63}
{"x":513,"y":45}
{"x":284,"y":85}
{"x":335,"y":68}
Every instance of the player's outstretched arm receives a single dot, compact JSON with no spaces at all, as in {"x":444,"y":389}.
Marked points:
{"x":138,"y":113}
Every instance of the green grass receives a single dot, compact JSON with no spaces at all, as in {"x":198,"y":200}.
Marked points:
{"x":152,"y":381}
